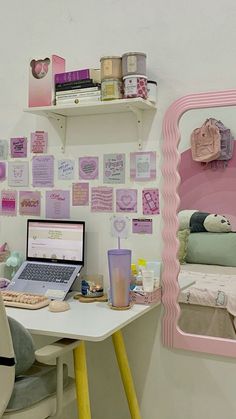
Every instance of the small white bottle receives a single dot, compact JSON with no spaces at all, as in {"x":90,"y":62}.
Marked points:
{"x":139,"y":278}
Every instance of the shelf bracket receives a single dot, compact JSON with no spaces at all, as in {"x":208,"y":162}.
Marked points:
{"x":60,"y":126}
{"x":139,"y":121}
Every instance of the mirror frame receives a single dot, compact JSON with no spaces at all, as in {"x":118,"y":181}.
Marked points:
{"x":172,"y":336}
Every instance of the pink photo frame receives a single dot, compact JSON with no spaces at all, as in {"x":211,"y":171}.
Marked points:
{"x":172,"y":336}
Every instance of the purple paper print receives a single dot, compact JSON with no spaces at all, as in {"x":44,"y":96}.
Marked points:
{"x":126,"y":200}
{"x":43,"y":171}
{"x":88,"y":168}
{"x":150,"y":200}
{"x":142,"y":226}
{"x":57,"y":204}
{"x":101,"y":199}
{"x":19,"y":147}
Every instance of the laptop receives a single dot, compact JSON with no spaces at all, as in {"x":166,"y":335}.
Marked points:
{"x":54,"y":258}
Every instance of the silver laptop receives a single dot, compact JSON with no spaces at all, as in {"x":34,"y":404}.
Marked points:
{"x":54,"y":258}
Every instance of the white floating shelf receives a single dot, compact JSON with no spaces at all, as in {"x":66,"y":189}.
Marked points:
{"x":60,"y":113}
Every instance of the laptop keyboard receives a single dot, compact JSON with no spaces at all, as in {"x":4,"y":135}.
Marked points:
{"x":47,"y":273}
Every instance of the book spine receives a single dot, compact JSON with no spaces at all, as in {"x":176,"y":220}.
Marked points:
{"x":78,"y":95}
{"x":75,"y":85}
{"x":82,"y":90}
{"x":87,"y":73}
{"x":78,"y":101}
{"x":72,"y":76}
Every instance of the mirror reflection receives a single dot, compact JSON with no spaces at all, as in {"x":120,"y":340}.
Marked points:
{"x":207,"y":222}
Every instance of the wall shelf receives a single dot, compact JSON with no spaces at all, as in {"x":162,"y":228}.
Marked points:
{"x":60,"y":113}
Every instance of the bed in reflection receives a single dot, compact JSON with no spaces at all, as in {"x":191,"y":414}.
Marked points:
{"x":208,"y":306}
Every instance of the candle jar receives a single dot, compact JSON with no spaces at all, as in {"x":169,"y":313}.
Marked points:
{"x":133,"y":63}
{"x":92,"y":286}
{"x":111,"y":67}
{"x":119,"y":261}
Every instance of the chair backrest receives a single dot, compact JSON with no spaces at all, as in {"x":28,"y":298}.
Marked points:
{"x":7,"y":360}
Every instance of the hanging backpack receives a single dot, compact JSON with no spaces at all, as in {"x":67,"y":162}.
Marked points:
{"x":205,"y":142}
{"x":226,"y":141}
{"x":212,"y":143}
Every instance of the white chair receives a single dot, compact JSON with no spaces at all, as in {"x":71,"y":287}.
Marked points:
{"x":28,"y":389}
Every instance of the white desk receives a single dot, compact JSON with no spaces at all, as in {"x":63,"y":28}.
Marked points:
{"x":87,"y":322}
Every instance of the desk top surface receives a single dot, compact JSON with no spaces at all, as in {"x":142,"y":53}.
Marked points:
{"x":86,"y":321}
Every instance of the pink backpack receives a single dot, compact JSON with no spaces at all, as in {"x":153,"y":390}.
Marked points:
{"x":205,"y":142}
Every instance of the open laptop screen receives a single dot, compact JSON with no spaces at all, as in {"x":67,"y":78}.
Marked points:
{"x":56,"y":241}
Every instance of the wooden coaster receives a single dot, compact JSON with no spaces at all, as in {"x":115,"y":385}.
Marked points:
{"x":83,"y":299}
{"x":121,"y":308}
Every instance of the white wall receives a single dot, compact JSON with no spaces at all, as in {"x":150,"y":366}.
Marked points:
{"x":190,"y":47}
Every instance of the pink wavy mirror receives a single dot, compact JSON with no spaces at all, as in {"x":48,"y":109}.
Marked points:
{"x":172,"y":335}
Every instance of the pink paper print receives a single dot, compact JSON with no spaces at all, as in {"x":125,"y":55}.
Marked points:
{"x":150,"y":198}
{"x":18,"y":173}
{"x":142,"y":226}
{"x":39,"y":142}
{"x":80,"y":194}
{"x":2,"y":171}
{"x":88,"y":167}
{"x":126,"y":200}
{"x":143,"y":166}
{"x":19,"y":147}
{"x":29,"y":203}
{"x":43,"y":171}
{"x":8,"y":203}
{"x":57,"y":204}
{"x":102,"y":199}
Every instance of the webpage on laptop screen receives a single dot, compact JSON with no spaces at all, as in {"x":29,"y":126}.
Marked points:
{"x":55,"y":241}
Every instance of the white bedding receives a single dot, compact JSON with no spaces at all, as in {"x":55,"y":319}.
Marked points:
{"x":215,"y":286}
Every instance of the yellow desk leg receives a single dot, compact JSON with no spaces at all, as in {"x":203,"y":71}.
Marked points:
{"x":126,"y":376}
{"x":81,"y":379}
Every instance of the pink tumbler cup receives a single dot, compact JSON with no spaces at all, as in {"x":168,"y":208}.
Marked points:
{"x":119,"y":261}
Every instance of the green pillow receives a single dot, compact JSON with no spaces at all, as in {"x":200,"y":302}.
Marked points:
{"x":212,"y":249}
{"x":183,"y":243}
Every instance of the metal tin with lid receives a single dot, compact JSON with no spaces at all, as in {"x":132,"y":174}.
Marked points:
{"x":135,"y":86}
{"x":111,"y":67}
{"x":134,"y":63}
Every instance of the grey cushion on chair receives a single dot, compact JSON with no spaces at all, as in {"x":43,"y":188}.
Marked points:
{"x":23,"y":346}
{"x":38,"y":384}
{"x":34,"y":381}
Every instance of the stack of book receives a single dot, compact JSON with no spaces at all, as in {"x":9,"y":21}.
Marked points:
{"x":75,"y":87}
